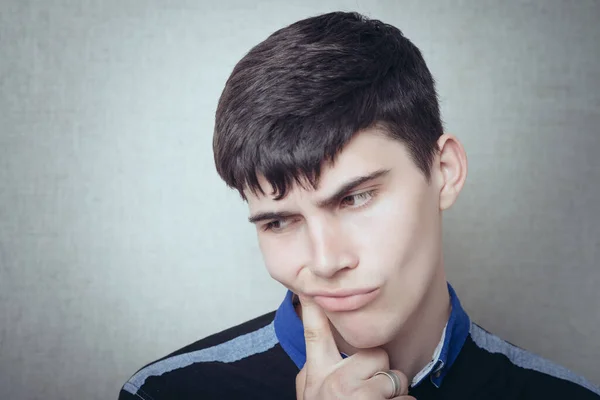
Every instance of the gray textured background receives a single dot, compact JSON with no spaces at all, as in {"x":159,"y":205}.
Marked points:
{"x":118,"y":242}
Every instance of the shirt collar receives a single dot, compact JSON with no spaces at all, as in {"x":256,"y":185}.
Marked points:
{"x":290,"y":333}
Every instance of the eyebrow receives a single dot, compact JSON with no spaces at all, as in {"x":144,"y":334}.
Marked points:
{"x":325,"y":203}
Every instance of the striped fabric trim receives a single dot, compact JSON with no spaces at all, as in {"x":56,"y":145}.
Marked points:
{"x":524,"y":359}
{"x":233,"y":350}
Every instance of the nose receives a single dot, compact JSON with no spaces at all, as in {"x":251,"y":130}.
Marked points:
{"x":331,"y":250}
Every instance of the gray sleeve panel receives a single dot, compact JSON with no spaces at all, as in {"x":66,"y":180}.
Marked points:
{"x":233,"y":350}
{"x":524,"y":359}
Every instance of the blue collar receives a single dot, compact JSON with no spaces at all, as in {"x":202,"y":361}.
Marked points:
{"x":290,"y":333}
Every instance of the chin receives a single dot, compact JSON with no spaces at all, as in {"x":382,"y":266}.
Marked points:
{"x":366,"y":333}
{"x":365,"y":340}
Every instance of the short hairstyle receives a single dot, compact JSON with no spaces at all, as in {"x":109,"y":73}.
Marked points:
{"x":297,"y":98}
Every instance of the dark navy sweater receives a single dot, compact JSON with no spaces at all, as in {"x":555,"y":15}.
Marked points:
{"x":260,"y":359}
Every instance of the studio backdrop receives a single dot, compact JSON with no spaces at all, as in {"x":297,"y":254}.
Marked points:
{"x":120,"y":244}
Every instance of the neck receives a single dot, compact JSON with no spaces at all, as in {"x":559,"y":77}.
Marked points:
{"x":414,"y":346}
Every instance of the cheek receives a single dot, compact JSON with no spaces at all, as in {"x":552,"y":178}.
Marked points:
{"x":387,"y":229}
{"x":281,"y":259}
{"x":392,"y":235}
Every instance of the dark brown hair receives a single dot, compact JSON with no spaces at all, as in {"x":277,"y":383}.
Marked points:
{"x":295,"y":100}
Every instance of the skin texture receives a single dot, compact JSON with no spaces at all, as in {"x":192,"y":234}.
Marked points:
{"x":384,"y":234}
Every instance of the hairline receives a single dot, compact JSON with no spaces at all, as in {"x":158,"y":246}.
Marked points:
{"x":303,"y":181}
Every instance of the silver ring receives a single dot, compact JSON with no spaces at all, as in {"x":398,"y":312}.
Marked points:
{"x":395,"y":381}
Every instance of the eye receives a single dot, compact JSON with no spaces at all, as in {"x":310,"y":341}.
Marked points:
{"x":276,"y":225}
{"x":358,"y":200}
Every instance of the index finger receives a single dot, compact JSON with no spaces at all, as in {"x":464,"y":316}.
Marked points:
{"x":321,"y":350}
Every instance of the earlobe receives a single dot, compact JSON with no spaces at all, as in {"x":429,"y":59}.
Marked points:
{"x":452,"y":169}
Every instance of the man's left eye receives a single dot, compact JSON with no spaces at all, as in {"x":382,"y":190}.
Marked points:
{"x":357,"y":200}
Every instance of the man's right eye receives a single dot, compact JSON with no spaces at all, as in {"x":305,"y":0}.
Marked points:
{"x":276,"y":225}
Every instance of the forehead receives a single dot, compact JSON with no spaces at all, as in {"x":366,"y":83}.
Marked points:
{"x":366,"y":152}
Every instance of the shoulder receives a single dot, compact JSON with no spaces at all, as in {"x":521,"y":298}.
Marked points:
{"x":224,"y":365}
{"x":530,"y":375}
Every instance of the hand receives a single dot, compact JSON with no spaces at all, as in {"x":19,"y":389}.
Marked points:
{"x":326,"y":376}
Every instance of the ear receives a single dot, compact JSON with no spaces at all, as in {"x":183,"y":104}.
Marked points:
{"x":451,"y":165}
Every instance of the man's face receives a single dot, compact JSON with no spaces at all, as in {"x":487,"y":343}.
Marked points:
{"x":367,"y":254}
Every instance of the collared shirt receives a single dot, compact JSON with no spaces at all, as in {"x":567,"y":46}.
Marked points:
{"x":260,"y":359}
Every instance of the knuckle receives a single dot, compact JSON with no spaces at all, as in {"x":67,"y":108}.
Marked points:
{"x":380,"y":355}
{"x":312,"y":335}
{"x":310,"y":382}
{"x":377,"y":355}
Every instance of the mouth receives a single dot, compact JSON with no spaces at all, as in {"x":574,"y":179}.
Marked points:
{"x":345,"y":300}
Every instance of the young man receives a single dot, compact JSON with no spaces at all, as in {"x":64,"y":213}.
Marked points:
{"x":330,"y":130}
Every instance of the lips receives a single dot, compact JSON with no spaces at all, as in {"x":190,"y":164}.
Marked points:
{"x":345,"y":300}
